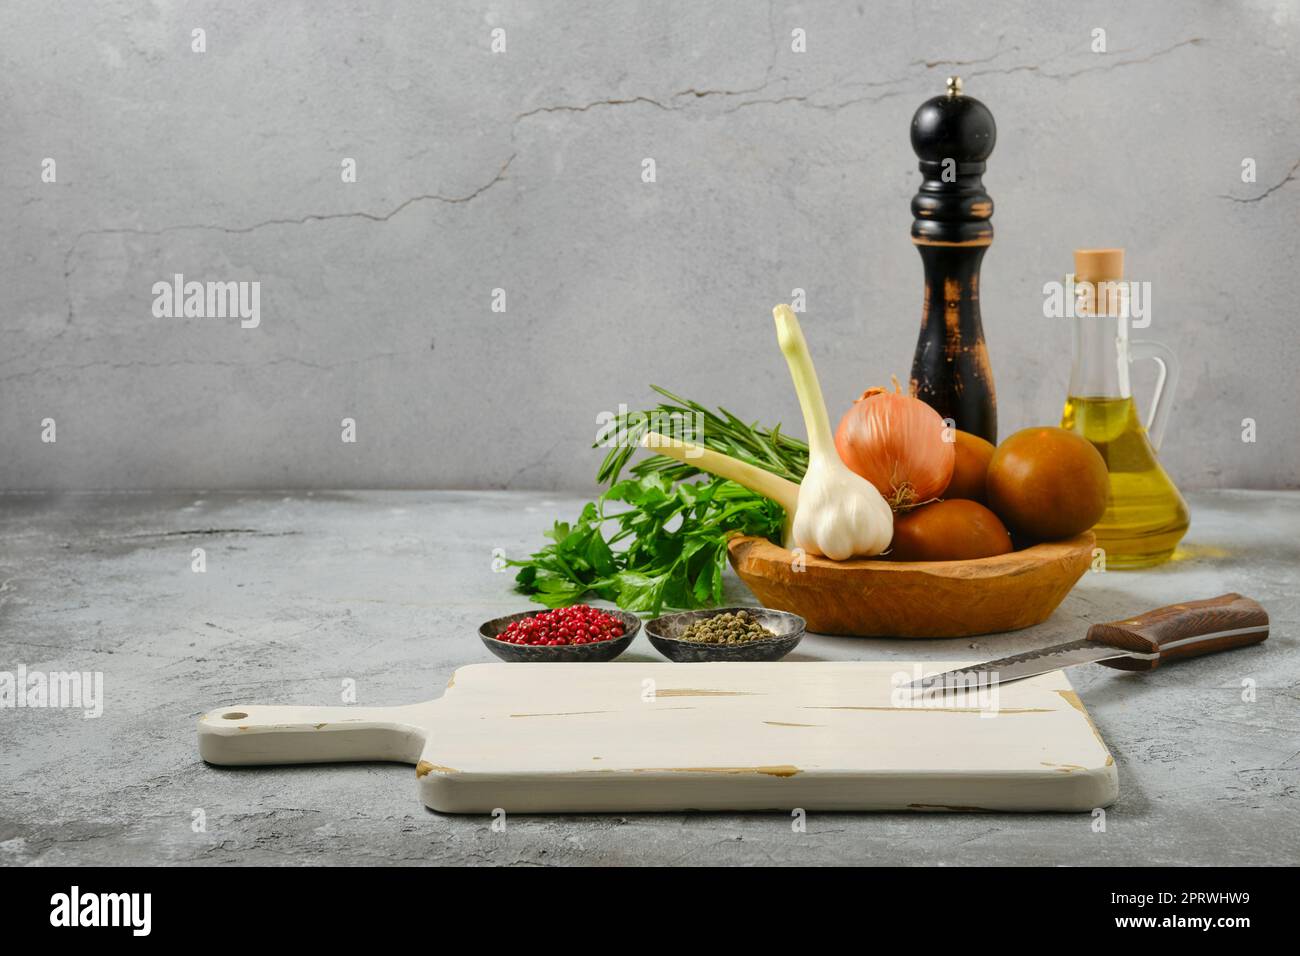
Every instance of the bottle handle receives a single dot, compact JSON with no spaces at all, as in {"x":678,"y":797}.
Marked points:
{"x":1166,"y":383}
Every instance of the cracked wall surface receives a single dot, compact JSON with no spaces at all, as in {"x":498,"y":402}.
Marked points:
{"x":522,"y":171}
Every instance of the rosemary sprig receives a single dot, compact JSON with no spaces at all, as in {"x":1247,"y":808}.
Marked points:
{"x":722,"y":431}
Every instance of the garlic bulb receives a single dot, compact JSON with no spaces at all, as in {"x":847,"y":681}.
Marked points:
{"x":840,"y":514}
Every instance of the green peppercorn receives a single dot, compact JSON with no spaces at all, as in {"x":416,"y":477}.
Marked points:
{"x":728,"y":629}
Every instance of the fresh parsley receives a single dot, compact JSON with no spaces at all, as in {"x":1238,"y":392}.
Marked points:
{"x":654,"y":540}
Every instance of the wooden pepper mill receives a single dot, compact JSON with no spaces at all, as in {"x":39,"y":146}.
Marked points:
{"x":953,"y":135}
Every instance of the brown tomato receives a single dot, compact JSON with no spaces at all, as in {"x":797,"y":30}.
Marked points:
{"x":952,"y":530}
{"x":970,"y":469}
{"x":1048,"y":483}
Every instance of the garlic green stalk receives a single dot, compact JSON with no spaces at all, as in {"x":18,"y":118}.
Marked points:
{"x":839,"y":514}
{"x":773,"y":487}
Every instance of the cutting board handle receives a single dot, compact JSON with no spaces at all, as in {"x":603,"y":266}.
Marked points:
{"x":251,"y":734}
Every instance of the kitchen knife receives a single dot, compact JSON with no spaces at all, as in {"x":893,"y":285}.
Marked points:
{"x":1139,"y":643}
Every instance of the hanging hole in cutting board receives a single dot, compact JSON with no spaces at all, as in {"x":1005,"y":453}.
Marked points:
{"x":234,"y":715}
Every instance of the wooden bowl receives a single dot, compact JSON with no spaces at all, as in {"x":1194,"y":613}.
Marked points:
{"x":873,"y":598}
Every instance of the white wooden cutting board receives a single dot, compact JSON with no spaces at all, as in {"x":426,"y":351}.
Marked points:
{"x":718,"y":736}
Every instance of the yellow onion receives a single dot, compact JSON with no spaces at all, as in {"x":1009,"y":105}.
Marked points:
{"x":899,"y":444}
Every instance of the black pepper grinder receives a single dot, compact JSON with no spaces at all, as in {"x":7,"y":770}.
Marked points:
{"x":953,"y":135}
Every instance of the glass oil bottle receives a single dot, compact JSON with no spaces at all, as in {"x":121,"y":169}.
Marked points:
{"x":1145,"y":515}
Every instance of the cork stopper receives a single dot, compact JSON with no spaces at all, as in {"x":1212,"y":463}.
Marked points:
{"x":1098,"y":265}
{"x":1098,"y":277}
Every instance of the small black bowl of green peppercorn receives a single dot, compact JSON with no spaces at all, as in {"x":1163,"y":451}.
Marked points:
{"x":726,"y":634}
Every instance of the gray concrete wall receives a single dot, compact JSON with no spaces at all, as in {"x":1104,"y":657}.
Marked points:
{"x":522,"y":171}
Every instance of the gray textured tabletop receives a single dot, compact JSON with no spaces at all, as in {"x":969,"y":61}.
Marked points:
{"x":303,"y":592}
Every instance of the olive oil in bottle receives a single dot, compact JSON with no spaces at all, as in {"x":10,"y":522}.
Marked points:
{"x":1145,"y":515}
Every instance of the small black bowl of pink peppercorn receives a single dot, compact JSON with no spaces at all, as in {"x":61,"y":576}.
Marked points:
{"x":571,"y":634}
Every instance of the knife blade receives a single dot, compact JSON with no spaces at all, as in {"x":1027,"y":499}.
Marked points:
{"x":1139,"y":643}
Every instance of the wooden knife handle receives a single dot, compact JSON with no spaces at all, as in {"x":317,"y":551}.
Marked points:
{"x":1183,"y":630}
